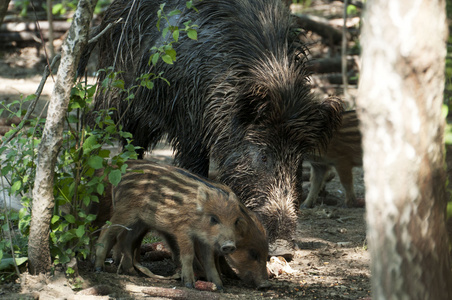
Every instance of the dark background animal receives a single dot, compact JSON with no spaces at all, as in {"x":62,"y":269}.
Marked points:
{"x":239,"y":95}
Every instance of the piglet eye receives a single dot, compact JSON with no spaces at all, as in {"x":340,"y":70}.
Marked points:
{"x":214,"y":220}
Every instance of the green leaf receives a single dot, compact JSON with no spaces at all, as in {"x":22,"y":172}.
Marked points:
{"x":149,"y":85}
{"x":70,"y":218}
{"x":57,"y":7}
{"x":172,"y":53}
{"x":95,"y":162}
{"x":174,"y":12}
{"x":55,"y":218}
{"x":155,"y":58}
{"x":104,"y":153}
{"x":7,"y":263}
{"x":165,"y":32}
{"x":192,"y":34}
{"x":86,"y":200}
{"x":166,"y":58}
{"x":176,"y":35}
{"x":67,"y":236}
{"x":115,"y":177}
{"x":16,"y":186}
{"x":118,"y":84}
{"x":80,"y":231}
{"x":100,"y":188}
{"x":89,"y":143}
{"x":91,"y":218}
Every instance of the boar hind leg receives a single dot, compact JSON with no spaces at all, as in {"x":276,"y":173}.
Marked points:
{"x":207,"y":259}
{"x":346,"y":176}
{"x":104,"y":244}
{"x":318,"y":174}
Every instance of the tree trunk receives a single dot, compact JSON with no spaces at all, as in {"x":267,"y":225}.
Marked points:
{"x":43,"y":201}
{"x":3,"y":8}
{"x":399,"y":104}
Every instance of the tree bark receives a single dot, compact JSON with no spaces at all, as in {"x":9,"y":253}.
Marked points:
{"x":3,"y":8}
{"x":399,"y":104}
{"x":43,"y":201}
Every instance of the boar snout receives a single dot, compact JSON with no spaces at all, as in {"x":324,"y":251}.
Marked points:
{"x":228,"y":247}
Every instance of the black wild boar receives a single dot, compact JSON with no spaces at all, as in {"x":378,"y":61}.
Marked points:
{"x":249,"y":234}
{"x":343,"y":152}
{"x":180,"y":206}
{"x":239,"y":94}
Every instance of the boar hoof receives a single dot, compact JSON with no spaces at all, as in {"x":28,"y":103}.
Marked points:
{"x":98,"y":269}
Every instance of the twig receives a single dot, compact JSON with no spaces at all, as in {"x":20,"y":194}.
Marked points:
{"x":107,"y":28}
{"x":42,"y":38}
{"x":33,"y":104}
{"x":120,"y":264}
{"x":112,"y":225}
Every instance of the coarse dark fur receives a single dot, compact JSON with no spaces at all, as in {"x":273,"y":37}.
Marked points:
{"x":171,"y":192}
{"x":343,"y":152}
{"x":239,"y":95}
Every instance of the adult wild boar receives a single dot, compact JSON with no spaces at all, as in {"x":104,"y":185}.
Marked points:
{"x":239,"y":94}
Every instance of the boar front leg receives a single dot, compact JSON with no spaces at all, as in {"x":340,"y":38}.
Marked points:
{"x":187,"y":256}
{"x":207,"y":258}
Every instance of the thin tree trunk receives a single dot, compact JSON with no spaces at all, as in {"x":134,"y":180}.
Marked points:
{"x":50,"y":20}
{"x":399,"y":104}
{"x":43,"y":201}
{"x":3,"y":8}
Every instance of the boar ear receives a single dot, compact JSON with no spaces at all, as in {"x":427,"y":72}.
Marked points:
{"x":316,"y":124}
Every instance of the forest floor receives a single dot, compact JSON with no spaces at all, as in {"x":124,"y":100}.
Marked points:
{"x":330,"y":261}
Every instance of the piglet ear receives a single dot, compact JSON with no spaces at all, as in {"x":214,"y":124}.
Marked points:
{"x":241,"y":228}
{"x":201,"y":199}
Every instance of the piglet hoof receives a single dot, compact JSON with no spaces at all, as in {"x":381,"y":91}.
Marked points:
{"x":189,"y":285}
{"x":264,"y":285}
{"x":360,"y":202}
{"x":305,"y":206}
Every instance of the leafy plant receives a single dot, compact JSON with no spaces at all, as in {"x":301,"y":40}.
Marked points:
{"x":85,"y":168}
{"x":171,"y":34}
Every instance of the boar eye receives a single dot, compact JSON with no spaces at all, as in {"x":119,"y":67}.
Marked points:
{"x":214,"y":220}
{"x":253,"y":254}
{"x":264,"y":158}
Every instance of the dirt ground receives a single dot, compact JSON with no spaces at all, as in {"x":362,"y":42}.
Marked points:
{"x":331,"y":260}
